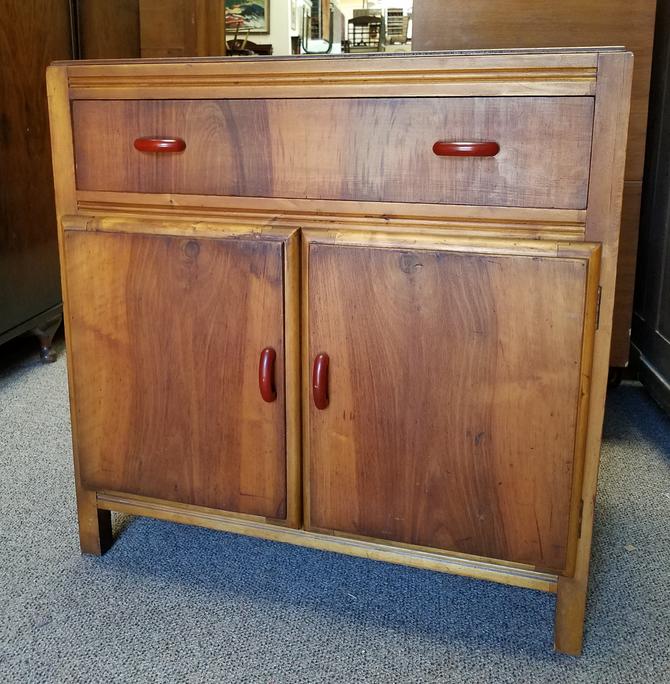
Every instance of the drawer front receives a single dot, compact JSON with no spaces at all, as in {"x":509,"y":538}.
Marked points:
{"x":343,"y":149}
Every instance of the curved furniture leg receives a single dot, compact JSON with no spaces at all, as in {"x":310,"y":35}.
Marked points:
{"x":45,"y":334}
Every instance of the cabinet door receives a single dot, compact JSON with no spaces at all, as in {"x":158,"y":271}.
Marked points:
{"x":166,"y":335}
{"x":454,"y":385}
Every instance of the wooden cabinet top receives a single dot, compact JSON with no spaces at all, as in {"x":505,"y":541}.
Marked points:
{"x":390,"y":56}
{"x":562,"y":71}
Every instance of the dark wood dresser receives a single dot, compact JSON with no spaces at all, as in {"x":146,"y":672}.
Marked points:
{"x":31,"y":36}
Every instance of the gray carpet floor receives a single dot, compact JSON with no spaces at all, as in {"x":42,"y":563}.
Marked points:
{"x":172,"y":603}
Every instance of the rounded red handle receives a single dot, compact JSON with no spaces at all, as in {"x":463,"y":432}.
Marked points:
{"x":150,"y":144}
{"x":266,"y":374}
{"x":444,"y":148}
{"x":320,"y":381}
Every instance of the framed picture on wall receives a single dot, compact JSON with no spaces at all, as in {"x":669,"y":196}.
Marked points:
{"x":254,"y":13}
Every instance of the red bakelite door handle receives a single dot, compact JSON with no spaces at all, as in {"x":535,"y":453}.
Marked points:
{"x":150,"y":144}
{"x":266,"y":374}
{"x":445,"y":148}
{"x":320,"y":381}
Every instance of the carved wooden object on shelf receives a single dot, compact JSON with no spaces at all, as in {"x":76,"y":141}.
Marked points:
{"x":398,"y":352}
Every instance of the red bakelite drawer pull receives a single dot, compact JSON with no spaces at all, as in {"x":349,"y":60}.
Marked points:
{"x":159,"y":144}
{"x":320,"y":381}
{"x":266,"y":374}
{"x":444,"y":148}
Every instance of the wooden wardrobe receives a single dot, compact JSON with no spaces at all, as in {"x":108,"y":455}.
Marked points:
{"x":486,"y":24}
{"x":32,"y":34}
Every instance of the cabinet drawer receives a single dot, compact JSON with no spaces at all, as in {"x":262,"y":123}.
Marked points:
{"x":365,"y":149}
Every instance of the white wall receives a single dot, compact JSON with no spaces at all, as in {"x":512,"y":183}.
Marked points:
{"x":280,"y":27}
{"x":347,"y":7}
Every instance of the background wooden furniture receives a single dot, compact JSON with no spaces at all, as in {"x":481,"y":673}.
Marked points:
{"x":182,"y":28}
{"x":108,"y":29}
{"x":421,"y":377}
{"x":397,"y":25}
{"x":243,"y":46}
{"x":32,"y":34}
{"x":651,"y":319}
{"x":364,"y":34}
{"x":483,"y":24}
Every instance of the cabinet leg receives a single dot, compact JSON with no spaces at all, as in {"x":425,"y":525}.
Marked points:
{"x":45,"y":334}
{"x":95,"y":525}
{"x":570,"y":609}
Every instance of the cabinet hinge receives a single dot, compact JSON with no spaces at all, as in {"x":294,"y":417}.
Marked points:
{"x":581,"y":517}
{"x":600,"y":295}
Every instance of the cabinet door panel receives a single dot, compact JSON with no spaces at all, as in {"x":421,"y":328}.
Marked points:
{"x":454,"y":385}
{"x":166,"y":337}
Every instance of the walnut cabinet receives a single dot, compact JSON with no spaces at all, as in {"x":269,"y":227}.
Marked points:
{"x":393,"y":350}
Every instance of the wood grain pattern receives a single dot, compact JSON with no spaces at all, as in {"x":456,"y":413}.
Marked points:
{"x":109,"y":30}
{"x":94,"y":525}
{"x":602,"y":225}
{"x":482,"y":24}
{"x":255,"y":148}
{"x":31,"y":35}
{"x":508,"y":73}
{"x":552,"y":224}
{"x":165,"y":334}
{"x":292,"y":363}
{"x":181,"y":28}
{"x":462,"y":437}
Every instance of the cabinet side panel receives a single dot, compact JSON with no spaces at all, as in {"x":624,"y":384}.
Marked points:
{"x":166,"y":335}
{"x":454,"y":383}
